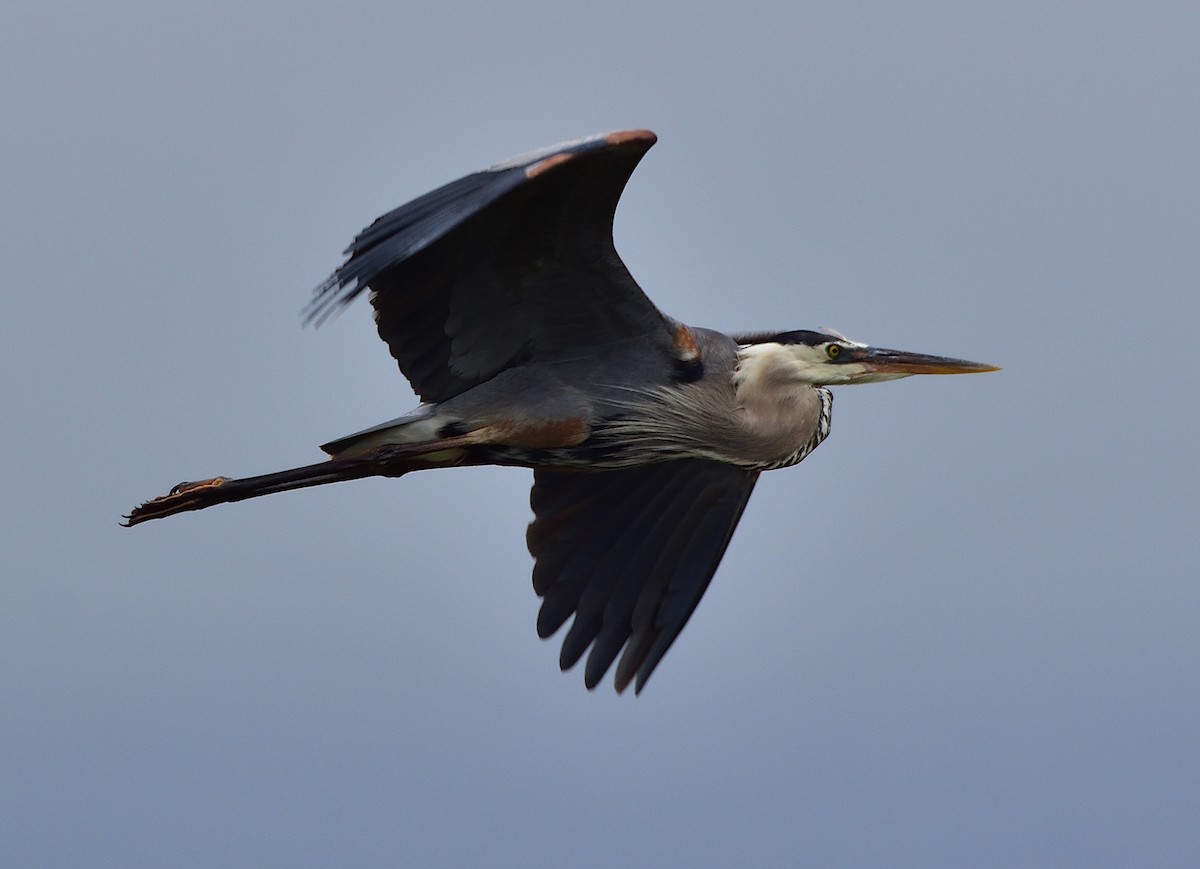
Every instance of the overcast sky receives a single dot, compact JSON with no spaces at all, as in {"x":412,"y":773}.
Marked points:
{"x":964,"y":632}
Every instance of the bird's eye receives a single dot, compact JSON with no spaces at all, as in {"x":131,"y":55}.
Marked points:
{"x":833,"y":350}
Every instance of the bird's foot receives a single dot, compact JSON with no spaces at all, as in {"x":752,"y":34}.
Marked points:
{"x":182,"y":497}
{"x":186,"y":487}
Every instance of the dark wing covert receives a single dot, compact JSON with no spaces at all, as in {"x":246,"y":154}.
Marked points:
{"x":630,"y":552}
{"x":512,"y":263}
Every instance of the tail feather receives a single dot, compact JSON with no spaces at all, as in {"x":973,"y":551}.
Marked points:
{"x":222,"y":490}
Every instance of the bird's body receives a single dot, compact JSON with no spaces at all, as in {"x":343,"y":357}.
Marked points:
{"x":505,"y":304}
{"x":619,"y":421}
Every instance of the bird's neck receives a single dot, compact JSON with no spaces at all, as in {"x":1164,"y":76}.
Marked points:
{"x":775,"y":402}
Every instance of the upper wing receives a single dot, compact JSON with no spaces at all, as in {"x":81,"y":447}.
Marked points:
{"x":506,"y":265}
{"x":630,"y":552}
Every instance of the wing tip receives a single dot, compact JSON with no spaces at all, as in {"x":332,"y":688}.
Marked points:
{"x":329,"y":296}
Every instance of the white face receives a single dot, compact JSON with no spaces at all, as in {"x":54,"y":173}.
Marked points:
{"x":824,"y":364}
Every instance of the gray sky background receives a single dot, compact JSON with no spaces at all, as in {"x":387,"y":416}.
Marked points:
{"x":965,"y":632}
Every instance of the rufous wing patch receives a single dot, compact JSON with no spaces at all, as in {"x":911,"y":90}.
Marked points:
{"x":541,"y":435}
{"x":541,"y":166}
{"x":687,"y":353}
{"x":622,"y":136}
{"x":686,"y":348}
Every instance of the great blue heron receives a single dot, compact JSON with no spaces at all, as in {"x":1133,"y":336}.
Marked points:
{"x":505,"y":304}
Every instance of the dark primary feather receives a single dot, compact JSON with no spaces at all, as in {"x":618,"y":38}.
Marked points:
{"x":506,"y":265}
{"x":630,"y":552}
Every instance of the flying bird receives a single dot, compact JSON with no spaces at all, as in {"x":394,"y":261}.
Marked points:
{"x":505,"y":304}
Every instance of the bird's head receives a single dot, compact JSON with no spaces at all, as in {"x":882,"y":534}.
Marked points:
{"x":829,"y":359}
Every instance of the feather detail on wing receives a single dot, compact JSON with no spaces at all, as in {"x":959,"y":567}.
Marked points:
{"x":630,"y":553}
{"x":511,"y":264}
